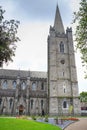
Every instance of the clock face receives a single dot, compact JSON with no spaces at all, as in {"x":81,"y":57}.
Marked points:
{"x":62,"y":61}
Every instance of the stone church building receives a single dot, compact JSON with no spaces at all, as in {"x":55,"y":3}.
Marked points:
{"x":52,"y":92}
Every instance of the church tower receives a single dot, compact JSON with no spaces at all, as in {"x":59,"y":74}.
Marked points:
{"x":62,"y":77}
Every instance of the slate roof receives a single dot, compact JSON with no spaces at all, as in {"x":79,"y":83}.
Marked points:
{"x":22,"y":73}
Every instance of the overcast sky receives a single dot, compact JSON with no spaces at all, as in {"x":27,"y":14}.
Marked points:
{"x":35,"y":18}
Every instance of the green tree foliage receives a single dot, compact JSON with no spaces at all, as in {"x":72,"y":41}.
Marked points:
{"x":70,"y":109}
{"x":83,"y":96}
{"x":80,"y":20}
{"x":8,"y":31}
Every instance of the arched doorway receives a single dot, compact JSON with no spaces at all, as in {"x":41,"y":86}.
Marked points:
{"x":21,"y":109}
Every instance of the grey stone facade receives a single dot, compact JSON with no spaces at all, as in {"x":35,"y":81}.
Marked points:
{"x":23,"y":92}
{"x":62,"y":78}
{"x":29,"y":92}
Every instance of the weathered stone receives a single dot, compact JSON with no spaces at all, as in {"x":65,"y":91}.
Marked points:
{"x":30,"y":92}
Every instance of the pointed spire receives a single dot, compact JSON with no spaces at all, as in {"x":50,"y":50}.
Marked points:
{"x":58,"y":25}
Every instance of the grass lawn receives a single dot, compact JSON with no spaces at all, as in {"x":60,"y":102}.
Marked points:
{"x":21,"y":124}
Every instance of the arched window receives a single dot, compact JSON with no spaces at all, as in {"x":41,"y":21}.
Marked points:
{"x":64,"y":104}
{"x":42,"y":86}
{"x":64,"y":88}
{"x":63,"y":73}
{"x":33,"y":86}
{"x":10,"y":102}
{"x":23,"y":85}
{"x":41,"y":104}
{"x":62,"y":47}
{"x":32,"y":104}
{"x":14,"y":84}
{"x":0,"y":101}
{"x":5,"y":84}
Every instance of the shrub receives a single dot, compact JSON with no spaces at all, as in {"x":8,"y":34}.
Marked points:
{"x":46,"y":118}
{"x":34,"y":117}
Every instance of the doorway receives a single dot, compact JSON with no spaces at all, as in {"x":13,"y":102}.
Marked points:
{"x":21,"y":109}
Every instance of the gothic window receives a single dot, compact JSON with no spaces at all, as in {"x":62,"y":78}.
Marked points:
{"x":62,"y":47}
{"x":64,"y":104}
{"x":10,"y":102}
{"x":63,"y":73}
{"x":42,"y":86}
{"x":41,"y":104}
{"x":0,"y":101}
{"x":64,"y":88}
{"x":33,"y":86}
{"x":23,"y":85}
{"x":14,"y":84}
{"x":32,"y":104}
{"x":5,"y":84}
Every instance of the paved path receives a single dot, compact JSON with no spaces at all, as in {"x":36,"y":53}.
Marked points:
{"x":79,"y":125}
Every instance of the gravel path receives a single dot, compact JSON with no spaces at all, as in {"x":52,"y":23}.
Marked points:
{"x":79,"y":125}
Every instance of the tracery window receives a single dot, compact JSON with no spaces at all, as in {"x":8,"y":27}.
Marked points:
{"x":10,"y":102}
{"x":5,"y":84}
{"x":23,"y":85}
{"x":62,"y":47}
{"x":0,"y":101}
{"x":42,"y":104}
{"x":33,"y":86}
{"x":32,"y":104}
{"x":42,"y":86}
{"x":14,"y":84}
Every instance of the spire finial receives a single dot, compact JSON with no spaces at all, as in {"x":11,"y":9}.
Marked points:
{"x":58,"y":25}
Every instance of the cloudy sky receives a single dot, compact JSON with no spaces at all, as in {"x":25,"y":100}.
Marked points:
{"x":35,"y":18}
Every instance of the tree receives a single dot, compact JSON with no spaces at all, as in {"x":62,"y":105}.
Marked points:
{"x":80,"y":19}
{"x":8,"y":31}
{"x":71,"y":109}
{"x":83,"y":96}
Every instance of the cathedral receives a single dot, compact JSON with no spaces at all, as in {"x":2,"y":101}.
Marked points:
{"x":39,"y":93}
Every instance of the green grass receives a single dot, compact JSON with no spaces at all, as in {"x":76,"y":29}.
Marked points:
{"x":21,"y":124}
